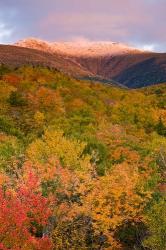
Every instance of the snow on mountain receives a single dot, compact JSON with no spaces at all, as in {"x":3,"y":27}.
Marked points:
{"x":33,"y":43}
{"x":79,"y":48}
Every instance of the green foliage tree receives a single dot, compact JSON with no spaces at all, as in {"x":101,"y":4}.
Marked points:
{"x":156,"y":222}
{"x":99,"y":156}
{"x":17,"y":99}
{"x":7,"y":126}
{"x":4,"y":70}
{"x":161,"y":128}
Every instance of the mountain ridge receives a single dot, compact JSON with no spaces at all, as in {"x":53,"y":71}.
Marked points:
{"x":114,"y":62}
{"x":15,"y":56}
{"x":79,"y":48}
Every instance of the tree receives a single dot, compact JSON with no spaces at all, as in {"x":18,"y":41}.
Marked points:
{"x":24,"y":214}
{"x":39,"y":119}
{"x":156,"y":222}
{"x":55,"y":144}
{"x":4,"y":70}
{"x":161,"y":128}
{"x":114,"y":199}
{"x":17,"y":99}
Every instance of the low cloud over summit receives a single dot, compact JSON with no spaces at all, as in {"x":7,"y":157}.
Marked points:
{"x":136,"y":22}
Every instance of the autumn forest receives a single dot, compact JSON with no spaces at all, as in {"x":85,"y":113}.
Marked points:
{"x":82,"y":164}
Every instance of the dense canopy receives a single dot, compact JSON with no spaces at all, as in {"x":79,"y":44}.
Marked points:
{"x":82,"y":164}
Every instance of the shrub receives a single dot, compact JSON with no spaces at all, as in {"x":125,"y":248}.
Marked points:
{"x":17,"y":99}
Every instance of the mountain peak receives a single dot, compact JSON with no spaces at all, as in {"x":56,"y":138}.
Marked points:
{"x":34,"y":43}
{"x":80,"y":47}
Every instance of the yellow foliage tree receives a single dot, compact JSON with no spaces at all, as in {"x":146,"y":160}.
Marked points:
{"x":55,"y":144}
{"x":114,"y":199}
{"x":39,"y":118}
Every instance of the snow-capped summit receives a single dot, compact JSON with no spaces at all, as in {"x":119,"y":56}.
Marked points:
{"x":34,"y":43}
{"x":79,"y":48}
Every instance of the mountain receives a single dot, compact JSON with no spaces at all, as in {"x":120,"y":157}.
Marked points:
{"x":131,"y":70}
{"x":17,"y":56}
{"x":129,"y":66}
{"x":79,"y":48}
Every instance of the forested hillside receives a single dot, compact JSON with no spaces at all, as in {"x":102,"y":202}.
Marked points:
{"x":82,"y":164}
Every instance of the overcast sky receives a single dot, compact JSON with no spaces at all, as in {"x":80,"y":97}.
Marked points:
{"x":136,"y":22}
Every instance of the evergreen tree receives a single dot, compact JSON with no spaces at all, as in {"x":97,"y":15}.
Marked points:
{"x":161,"y":128}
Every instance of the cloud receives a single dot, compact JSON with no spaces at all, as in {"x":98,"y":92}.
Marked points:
{"x":5,"y":32}
{"x":139,"y":22}
{"x":147,"y":47}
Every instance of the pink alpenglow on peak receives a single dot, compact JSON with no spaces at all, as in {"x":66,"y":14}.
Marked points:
{"x":79,"y":47}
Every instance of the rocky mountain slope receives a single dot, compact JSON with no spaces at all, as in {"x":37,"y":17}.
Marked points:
{"x":17,"y":56}
{"x":129,"y":66}
{"x":103,"y":61}
{"x":131,"y":70}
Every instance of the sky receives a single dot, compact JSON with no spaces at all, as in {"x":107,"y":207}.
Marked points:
{"x":141,"y":23}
